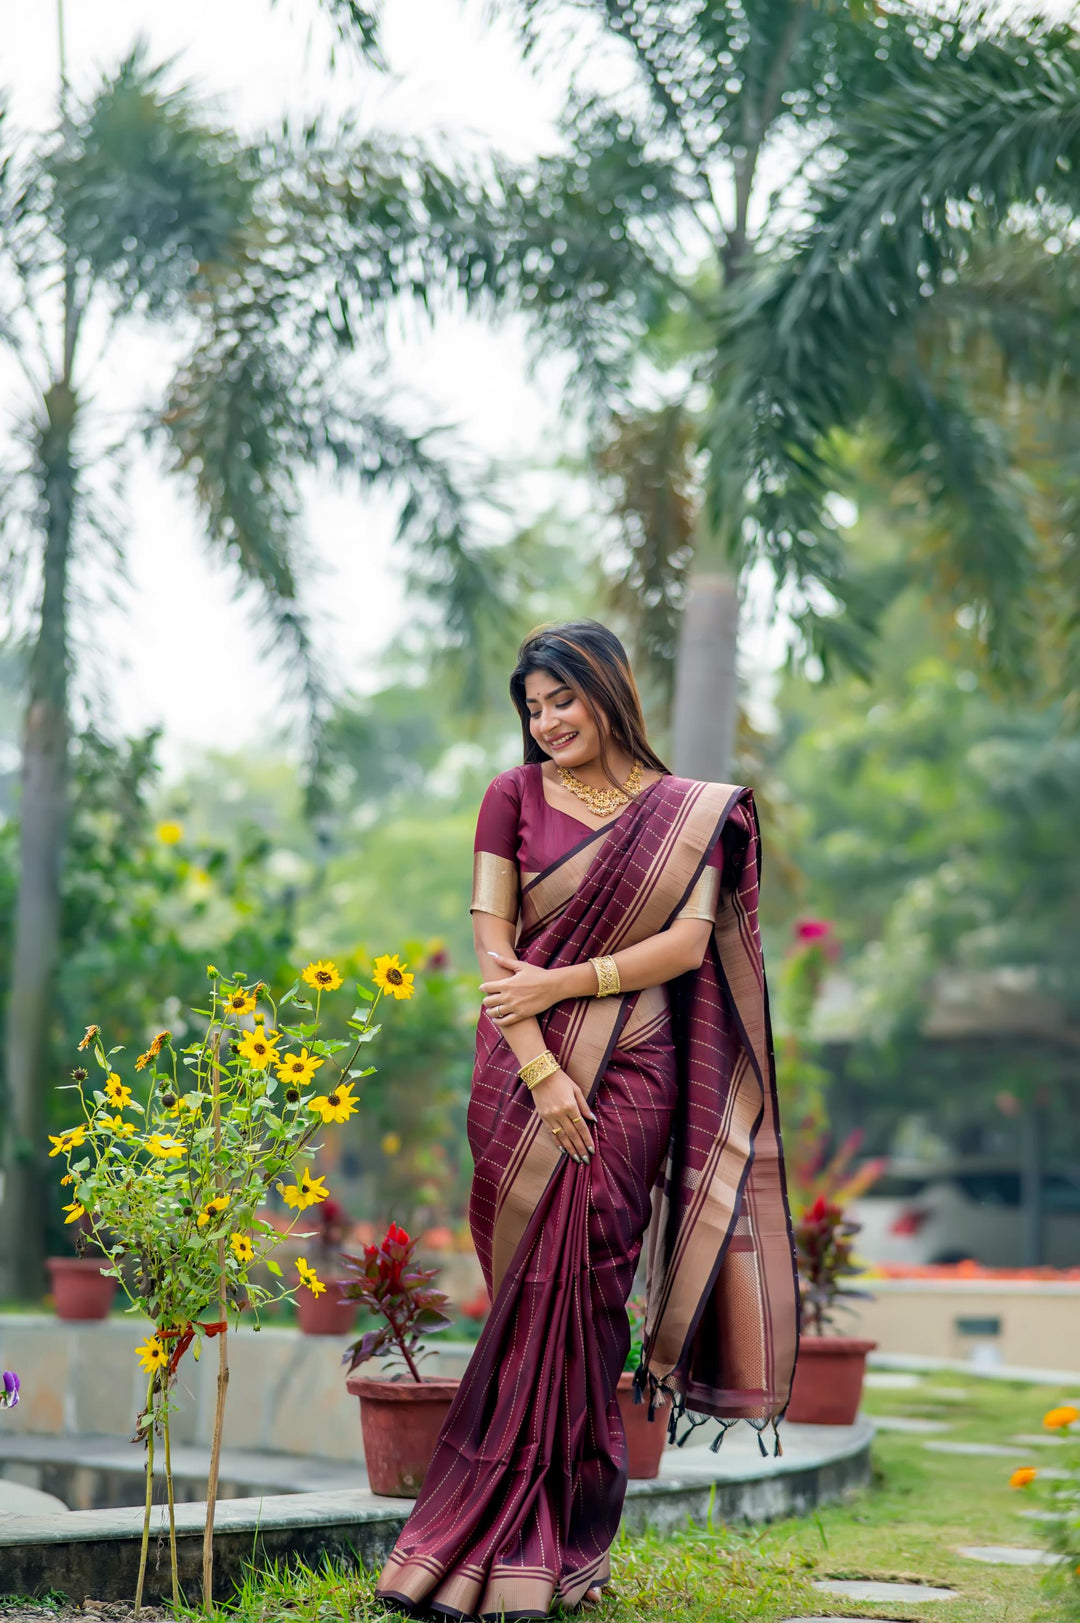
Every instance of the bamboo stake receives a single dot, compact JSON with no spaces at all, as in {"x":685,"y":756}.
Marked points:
{"x":149,"y":1497}
{"x":172,"y":1507}
{"x":223,"y":1364}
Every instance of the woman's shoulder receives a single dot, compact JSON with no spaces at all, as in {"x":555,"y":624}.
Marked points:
{"x":683,"y":786}
{"x":508,"y":785}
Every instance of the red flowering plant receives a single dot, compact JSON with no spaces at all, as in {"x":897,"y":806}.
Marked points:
{"x":390,"y":1285}
{"x":823,"y":1241}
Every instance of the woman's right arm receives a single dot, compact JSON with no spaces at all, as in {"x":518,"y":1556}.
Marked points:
{"x":557,"y":1098}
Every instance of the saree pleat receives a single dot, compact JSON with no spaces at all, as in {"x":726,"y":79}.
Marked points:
{"x":524,"y":1494}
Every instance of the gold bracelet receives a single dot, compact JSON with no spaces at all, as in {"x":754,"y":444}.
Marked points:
{"x":607,"y":976}
{"x":543,"y":1066}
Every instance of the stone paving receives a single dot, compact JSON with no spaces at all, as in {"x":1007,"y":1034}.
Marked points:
{"x":868,"y":1589}
{"x":1006,"y":1555}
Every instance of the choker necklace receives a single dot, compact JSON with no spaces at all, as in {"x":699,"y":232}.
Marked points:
{"x":602,"y":802}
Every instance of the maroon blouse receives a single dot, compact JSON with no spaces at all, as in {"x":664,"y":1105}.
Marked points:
{"x":519,"y":834}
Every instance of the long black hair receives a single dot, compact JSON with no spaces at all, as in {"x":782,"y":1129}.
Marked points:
{"x":592,"y":661}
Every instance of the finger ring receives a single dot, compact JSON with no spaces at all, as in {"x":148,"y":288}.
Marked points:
{"x":575,"y":1119}
{"x":555,"y":1130}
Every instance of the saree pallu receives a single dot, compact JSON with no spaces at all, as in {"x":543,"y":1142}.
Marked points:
{"x":524,"y":1494}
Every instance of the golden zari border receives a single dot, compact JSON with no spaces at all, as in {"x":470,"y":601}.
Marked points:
{"x":701,"y":902}
{"x":495,"y":886}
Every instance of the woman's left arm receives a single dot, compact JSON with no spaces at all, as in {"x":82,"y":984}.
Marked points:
{"x":528,"y":990}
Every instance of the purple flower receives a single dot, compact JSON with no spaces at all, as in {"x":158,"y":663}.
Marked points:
{"x":10,"y":1396}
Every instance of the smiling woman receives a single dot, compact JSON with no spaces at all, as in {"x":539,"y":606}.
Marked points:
{"x":623,"y":1067}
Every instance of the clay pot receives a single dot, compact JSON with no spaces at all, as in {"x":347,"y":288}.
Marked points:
{"x":80,"y":1290}
{"x":828,"y":1380}
{"x":645,"y":1438}
{"x":401,"y":1422}
{"x":327,"y":1315}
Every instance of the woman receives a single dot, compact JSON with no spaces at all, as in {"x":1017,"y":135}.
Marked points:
{"x":623,"y":1080}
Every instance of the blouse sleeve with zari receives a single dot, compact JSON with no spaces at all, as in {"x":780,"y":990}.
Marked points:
{"x":496,"y":882}
{"x":702,"y":900}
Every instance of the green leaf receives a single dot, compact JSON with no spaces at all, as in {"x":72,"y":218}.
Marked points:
{"x":273,"y":1267}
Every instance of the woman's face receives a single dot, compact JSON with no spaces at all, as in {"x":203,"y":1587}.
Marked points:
{"x":559,"y":720}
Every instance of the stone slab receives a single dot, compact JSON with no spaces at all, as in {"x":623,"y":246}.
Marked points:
{"x":95,"y":1552}
{"x":871,"y":1589}
{"x":910,"y":1423}
{"x":1006,"y":1555}
{"x":1035,"y":1439}
{"x":990,"y":1450}
{"x":890,"y":1380}
{"x":16,"y":1499}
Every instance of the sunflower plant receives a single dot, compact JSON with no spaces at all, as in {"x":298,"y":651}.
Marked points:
{"x":169,"y":1169}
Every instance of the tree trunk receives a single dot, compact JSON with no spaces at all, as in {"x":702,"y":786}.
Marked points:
{"x":703,"y":728}
{"x":43,"y":811}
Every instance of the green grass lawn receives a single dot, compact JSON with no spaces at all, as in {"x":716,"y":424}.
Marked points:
{"x":920,"y":1507}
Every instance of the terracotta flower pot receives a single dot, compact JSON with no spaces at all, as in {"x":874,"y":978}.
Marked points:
{"x":828,"y":1380}
{"x":401,"y":1422}
{"x":80,"y":1289}
{"x":327,"y":1315}
{"x":645,"y":1438}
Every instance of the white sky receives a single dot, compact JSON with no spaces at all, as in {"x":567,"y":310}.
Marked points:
{"x":176,"y":647}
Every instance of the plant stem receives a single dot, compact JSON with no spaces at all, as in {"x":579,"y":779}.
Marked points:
{"x":172,"y":1506}
{"x":223,"y":1362}
{"x":149,"y":1497}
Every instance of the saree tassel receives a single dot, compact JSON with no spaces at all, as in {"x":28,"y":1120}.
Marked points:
{"x":641,"y":1375}
{"x":778,"y":1447}
{"x":761,"y":1446}
{"x":725,"y":1427}
{"x":693,"y":1422}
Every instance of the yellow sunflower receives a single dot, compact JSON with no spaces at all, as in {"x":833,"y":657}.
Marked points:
{"x":239,"y":1000}
{"x":322,"y":976}
{"x":259,"y":1048}
{"x":91,"y":1033}
{"x":74,"y":1212}
{"x":117,"y":1125}
{"x":243,"y":1250}
{"x":308,"y":1192}
{"x":162,"y":1145}
{"x":69,"y":1140}
{"x":170,"y":833}
{"x":309,"y":1277}
{"x":117,"y":1094}
{"x":152,"y":1355}
{"x":211,"y":1210}
{"x":298,"y":1068}
{"x":391,"y":975}
{"x":336,"y":1106}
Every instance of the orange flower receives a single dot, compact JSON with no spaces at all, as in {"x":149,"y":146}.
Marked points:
{"x":1021,"y":1478}
{"x":1058,"y":1419}
{"x":155,"y":1047}
{"x":91,"y":1033}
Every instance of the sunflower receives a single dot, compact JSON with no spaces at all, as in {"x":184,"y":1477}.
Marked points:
{"x":155,"y":1047}
{"x":117,"y":1125}
{"x":259,"y":1048}
{"x":74,"y":1212}
{"x":211,"y":1210}
{"x":162,"y":1145}
{"x":298,"y":1068}
{"x":170,"y":833}
{"x":91,"y":1033}
{"x":243,"y":1250}
{"x":322,"y":976}
{"x":117,"y":1094}
{"x":308,"y":1192}
{"x":69,"y":1140}
{"x":143,"y":1061}
{"x":152,"y":1355}
{"x":309,"y":1277}
{"x":391,"y":977}
{"x":336,"y":1106}
{"x":240,"y":1000}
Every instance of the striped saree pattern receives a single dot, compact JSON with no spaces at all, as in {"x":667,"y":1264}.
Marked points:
{"x":524,"y":1494}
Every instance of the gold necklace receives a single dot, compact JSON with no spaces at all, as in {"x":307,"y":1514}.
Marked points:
{"x":603,"y":802}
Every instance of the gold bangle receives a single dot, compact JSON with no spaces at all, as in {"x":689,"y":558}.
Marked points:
{"x":607,"y":976}
{"x":544,"y":1065}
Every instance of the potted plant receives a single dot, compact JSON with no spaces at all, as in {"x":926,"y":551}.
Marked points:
{"x":829,"y":1373}
{"x":328,"y":1313}
{"x":81,"y":1290}
{"x":401,"y":1416}
{"x":645,"y":1438}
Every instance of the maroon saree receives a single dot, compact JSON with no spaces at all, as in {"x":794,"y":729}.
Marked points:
{"x":523,"y":1497}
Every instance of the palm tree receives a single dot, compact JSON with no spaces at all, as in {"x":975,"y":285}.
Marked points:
{"x":658,"y":249}
{"x":269,"y":265}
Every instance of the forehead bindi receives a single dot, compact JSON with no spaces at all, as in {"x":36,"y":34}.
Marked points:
{"x":543,"y":688}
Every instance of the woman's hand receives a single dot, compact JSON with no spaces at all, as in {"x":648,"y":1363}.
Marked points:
{"x":525,"y":992}
{"x":564,"y":1111}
